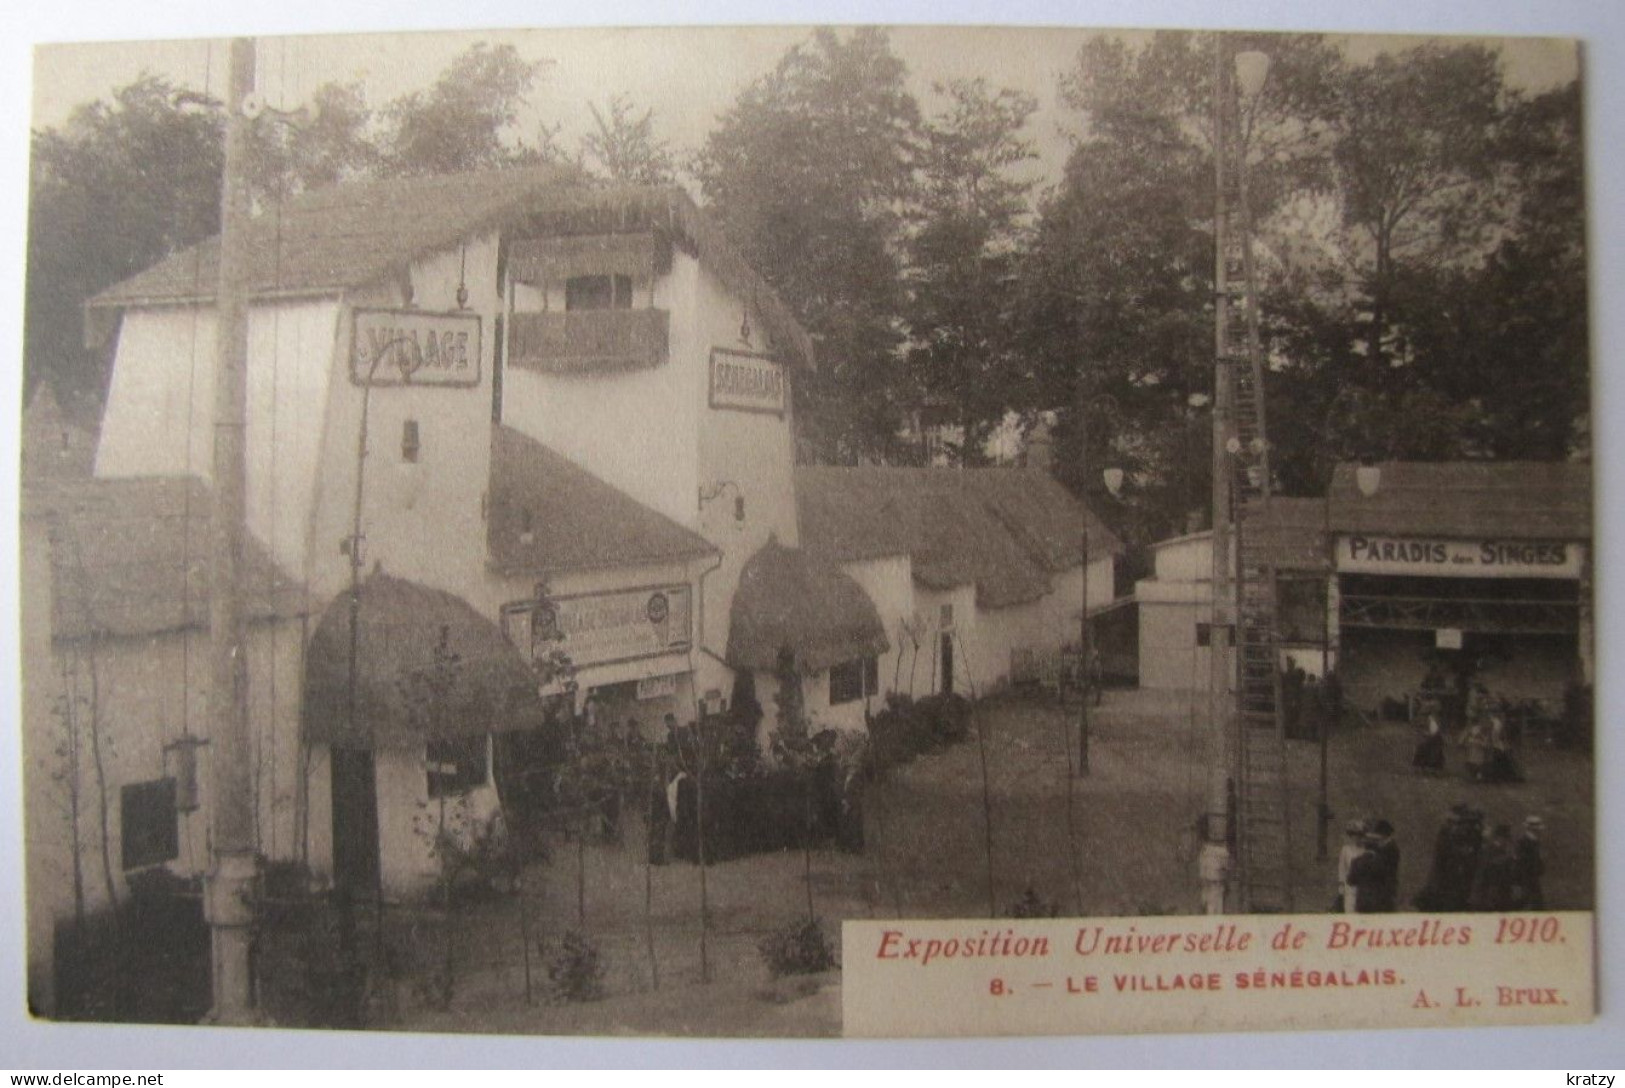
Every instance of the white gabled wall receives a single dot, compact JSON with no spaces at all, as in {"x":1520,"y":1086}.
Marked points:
{"x":159,"y":419}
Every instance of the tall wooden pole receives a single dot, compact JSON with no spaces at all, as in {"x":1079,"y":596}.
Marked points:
{"x":229,"y":890}
{"x":1219,"y":703}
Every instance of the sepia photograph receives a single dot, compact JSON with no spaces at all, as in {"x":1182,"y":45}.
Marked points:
{"x":804,"y":531}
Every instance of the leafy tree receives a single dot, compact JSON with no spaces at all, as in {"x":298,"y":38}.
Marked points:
{"x":118,"y":186}
{"x":334,"y":143}
{"x":624,"y":147}
{"x":963,"y":254}
{"x":806,"y":173}
{"x":465,"y":119}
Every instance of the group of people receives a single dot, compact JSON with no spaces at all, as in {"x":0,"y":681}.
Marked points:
{"x":1475,"y":868}
{"x":1488,"y":736}
{"x":1484,"y":869}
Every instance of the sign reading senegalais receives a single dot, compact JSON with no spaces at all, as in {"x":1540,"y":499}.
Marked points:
{"x":747,"y":383}
{"x":415,"y":347}
{"x":1363,"y":553}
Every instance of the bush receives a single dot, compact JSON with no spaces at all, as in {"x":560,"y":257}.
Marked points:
{"x":576,"y":969}
{"x":799,"y":948}
{"x":1031,"y":906}
{"x":947,"y":717}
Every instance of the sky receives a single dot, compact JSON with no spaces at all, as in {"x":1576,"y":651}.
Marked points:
{"x":689,"y":76}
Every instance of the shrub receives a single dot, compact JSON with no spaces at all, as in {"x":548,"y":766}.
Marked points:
{"x":947,"y":717}
{"x":576,"y":969}
{"x":800,"y":948}
{"x":1031,"y":906}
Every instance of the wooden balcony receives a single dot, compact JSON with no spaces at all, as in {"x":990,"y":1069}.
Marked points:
{"x":589,"y":341}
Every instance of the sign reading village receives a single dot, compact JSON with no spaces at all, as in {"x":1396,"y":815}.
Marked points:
{"x":1362,"y":553}
{"x":414,"y":347}
{"x":747,"y":383}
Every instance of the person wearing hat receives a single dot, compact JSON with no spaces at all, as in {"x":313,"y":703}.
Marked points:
{"x":1466,"y":845}
{"x":1429,"y":755}
{"x":1388,"y":856}
{"x":1493,"y":891}
{"x":1436,"y":892}
{"x":1353,"y":846}
{"x":1367,"y":878}
{"x":1528,"y":867}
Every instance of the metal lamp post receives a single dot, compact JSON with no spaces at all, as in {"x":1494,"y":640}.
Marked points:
{"x":1113,"y":478}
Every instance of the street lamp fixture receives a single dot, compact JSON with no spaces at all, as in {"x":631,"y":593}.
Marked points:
{"x":1368,"y":478}
{"x":1252,"y":68}
{"x":1113,"y":479}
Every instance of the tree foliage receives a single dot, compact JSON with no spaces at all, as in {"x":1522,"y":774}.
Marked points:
{"x":117,"y":187}
{"x":970,"y":214}
{"x":623,"y":145}
{"x":466,"y":119}
{"x":807,"y":172}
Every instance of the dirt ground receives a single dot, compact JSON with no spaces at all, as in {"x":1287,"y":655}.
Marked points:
{"x":927,"y":856}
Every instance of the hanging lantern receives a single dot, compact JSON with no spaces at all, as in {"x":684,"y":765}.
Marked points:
{"x":1368,"y":478}
{"x":1251,"y":69}
{"x":180,"y":763}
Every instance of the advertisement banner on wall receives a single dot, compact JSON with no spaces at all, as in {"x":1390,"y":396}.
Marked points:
{"x":623,"y":625}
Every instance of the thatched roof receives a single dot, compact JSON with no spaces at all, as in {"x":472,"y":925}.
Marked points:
{"x":427,"y":665}
{"x":790,"y":599}
{"x":130,"y":557}
{"x":1517,"y":500}
{"x":360,"y":234}
{"x":1004,"y":529}
{"x":549,"y":515}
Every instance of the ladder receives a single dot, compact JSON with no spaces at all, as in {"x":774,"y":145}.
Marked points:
{"x":1259,"y":748}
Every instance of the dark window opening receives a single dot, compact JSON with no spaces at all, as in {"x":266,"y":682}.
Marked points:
{"x":149,"y":829}
{"x":1204,"y":634}
{"x":852,"y":680}
{"x":411,"y":444}
{"x":456,"y":766}
{"x":499,"y":355}
{"x":598,"y":293}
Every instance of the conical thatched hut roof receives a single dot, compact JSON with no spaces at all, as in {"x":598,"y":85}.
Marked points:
{"x":428,"y":666}
{"x":789,"y":599}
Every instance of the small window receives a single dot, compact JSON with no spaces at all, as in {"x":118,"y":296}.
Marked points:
{"x":1204,"y":635}
{"x":456,"y":766}
{"x":852,"y":680}
{"x":598,"y":293}
{"x":149,"y":831}
{"x":410,"y":444}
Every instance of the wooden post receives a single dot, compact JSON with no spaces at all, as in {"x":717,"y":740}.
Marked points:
{"x":228,"y":903}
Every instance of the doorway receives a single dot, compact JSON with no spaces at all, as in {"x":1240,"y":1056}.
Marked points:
{"x":947,"y":663}
{"x":355,"y":820}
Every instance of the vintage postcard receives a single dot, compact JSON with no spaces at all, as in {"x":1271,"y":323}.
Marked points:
{"x":800,"y":532}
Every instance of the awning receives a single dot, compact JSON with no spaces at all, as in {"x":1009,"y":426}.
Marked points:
{"x":787,"y":598}
{"x":427,"y":666}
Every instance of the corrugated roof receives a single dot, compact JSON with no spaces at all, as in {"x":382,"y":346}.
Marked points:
{"x":1003,"y":529}
{"x":428,"y":665}
{"x":788,"y":599}
{"x":548,"y":514}
{"x":363,"y":233}
{"x":1291,"y":533}
{"x":1517,"y":500}
{"x":130,"y":557}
